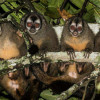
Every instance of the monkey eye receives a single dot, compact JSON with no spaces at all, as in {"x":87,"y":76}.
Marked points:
{"x":37,"y":25}
{"x":29,"y":24}
{"x":72,"y":27}
{"x":79,"y":28}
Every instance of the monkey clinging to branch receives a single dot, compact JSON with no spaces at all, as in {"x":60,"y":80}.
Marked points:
{"x":77,"y":36}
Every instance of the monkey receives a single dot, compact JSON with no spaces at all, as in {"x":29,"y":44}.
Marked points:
{"x":15,"y":84}
{"x":77,"y":36}
{"x":41,"y":33}
{"x":72,"y":73}
{"x":97,"y":42}
{"x":12,"y":45}
{"x":21,"y":84}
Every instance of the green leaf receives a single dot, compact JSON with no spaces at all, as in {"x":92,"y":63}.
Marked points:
{"x":55,"y":3}
{"x":2,"y":1}
{"x":97,"y":15}
{"x":73,"y":98}
{"x":89,"y":16}
{"x":52,"y":12}
{"x":39,"y":7}
{"x":72,"y":10}
{"x":78,"y":3}
{"x":44,"y":2}
{"x":96,"y":2}
{"x":47,"y":94}
{"x":67,"y":6}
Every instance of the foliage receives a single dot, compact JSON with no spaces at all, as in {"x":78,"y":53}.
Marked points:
{"x":49,"y":9}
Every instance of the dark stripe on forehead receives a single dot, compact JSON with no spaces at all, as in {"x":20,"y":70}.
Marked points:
{"x":33,"y":18}
{"x":76,"y":20}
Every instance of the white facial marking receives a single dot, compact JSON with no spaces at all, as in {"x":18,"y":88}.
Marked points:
{"x":79,"y":24}
{"x":30,"y":20}
{"x":72,"y":74}
{"x":13,"y":85}
{"x":74,"y":24}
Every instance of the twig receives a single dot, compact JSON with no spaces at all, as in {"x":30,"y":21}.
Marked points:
{"x":95,"y":89}
{"x":66,"y":94}
{"x":83,"y":98}
{"x":64,"y":4}
{"x":80,"y":14}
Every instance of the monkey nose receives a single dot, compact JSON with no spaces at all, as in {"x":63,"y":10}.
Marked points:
{"x":32,"y":30}
{"x":75,"y":33}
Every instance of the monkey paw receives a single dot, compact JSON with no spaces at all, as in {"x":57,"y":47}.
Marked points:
{"x":87,"y":53}
{"x":71,"y":53}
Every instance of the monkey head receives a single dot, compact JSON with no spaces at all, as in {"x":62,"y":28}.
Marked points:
{"x":41,"y":34}
{"x":76,"y":26}
{"x":33,"y":23}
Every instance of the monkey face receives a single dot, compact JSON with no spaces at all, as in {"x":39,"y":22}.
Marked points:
{"x":76,"y":26}
{"x":33,"y":24}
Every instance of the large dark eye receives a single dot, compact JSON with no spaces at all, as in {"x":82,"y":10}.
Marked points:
{"x":79,"y":28}
{"x":29,"y":24}
{"x":72,"y":27}
{"x":37,"y":25}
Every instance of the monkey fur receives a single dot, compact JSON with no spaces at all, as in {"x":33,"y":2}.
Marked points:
{"x":97,"y":42}
{"x":16,"y":83}
{"x":72,"y":73}
{"x":21,"y":86}
{"x":44,"y":37}
{"x":12,"y":45}
{"x":77,"y":36}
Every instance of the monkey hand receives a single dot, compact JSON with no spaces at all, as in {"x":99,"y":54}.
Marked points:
{"x":71,"y":53}
{"x":87,"y":52}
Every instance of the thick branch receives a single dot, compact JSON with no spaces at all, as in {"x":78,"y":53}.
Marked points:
{"x":52,"y":56}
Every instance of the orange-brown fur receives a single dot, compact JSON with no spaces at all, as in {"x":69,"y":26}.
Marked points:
{"x":83,"y":41}
{"x":70,"y":74}
{"x":76,"y":44}
{"x":11,"y":44}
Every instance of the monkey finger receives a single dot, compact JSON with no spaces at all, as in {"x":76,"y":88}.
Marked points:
{"x":84,"y":55}
{"x":73,"y":54}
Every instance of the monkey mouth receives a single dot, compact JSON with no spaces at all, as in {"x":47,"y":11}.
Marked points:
{"x":75,"y":34}
{"x":32,"y":31}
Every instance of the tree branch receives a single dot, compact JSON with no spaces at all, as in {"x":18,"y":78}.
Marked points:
{"x":64,"y":95}
{"x":51,"y":56}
